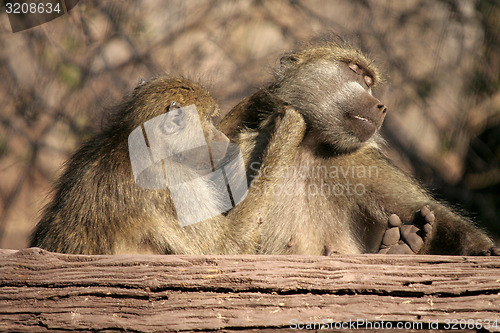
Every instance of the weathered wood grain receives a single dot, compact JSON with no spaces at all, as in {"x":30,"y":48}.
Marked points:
{"x":41,"y":291}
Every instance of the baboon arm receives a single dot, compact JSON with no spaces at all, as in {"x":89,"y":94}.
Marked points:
{"x":249,"y":113}
{"x":278,"y":155}
{"x":231,"y":124}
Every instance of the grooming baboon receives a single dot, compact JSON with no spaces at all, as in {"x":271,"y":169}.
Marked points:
{"x":340,"y":190}
{"x":102,"y":205}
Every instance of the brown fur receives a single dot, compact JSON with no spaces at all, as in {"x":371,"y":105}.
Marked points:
{"x":98,"y":208}
{"x":314,"y":81}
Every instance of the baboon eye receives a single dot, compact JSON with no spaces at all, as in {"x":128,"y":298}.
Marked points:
{"x":174,"y":105}
{"x":368,"y":80}
{"x":354,"y":67}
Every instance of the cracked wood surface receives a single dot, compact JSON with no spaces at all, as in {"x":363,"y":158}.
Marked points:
{"x":40,"y":290}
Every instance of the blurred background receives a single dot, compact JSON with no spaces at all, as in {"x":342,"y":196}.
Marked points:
{"x":441,"y":61}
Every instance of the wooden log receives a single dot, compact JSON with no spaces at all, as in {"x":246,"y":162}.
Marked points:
{"x":40,"y":291}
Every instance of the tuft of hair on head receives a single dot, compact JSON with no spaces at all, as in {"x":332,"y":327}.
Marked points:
{"x":329,"y":49}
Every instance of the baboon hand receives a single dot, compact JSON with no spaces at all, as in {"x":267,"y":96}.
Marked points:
{"x":290,"y":123}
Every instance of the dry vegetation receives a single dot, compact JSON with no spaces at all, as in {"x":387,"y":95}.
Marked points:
{"x":442,"y":60}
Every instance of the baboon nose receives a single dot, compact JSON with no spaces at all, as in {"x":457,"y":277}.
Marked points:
{"x":382,"y":108}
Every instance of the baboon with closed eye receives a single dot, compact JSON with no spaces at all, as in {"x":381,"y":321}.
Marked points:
{"x":102,"y":205}
{"x":341,"y":194}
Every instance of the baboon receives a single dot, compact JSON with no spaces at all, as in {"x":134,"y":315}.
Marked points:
{"x":107,"y":203}
{"x":341,"y":191}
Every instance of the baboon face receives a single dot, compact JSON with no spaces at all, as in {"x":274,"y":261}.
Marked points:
{"x":335,"y":98}
{"x":176,"y":118}
{"x":182,"y":135}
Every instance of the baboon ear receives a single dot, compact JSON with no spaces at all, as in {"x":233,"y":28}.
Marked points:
{"x":289,"y":60}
